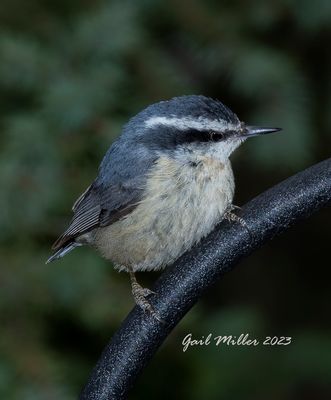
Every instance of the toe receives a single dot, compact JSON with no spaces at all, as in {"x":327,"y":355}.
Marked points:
{"x":147,"y":292}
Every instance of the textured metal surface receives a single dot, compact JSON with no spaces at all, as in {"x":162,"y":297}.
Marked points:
{"x":181,"y":285}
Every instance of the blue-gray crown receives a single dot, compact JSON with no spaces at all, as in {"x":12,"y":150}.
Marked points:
{"x":193,"y":106}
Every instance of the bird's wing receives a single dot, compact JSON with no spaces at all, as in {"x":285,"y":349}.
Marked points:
{"x":99,"y":205}
{"x":116,"y":191}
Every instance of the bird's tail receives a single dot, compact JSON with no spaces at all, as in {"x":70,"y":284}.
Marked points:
{"x":63,"y":251}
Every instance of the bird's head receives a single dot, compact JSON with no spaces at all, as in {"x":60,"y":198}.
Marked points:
{"x":191,"y":124}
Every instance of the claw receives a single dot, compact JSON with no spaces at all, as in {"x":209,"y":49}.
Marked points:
{"x":139,"y":294}
{"x":147,"y":292}
{"x":230,"y":216}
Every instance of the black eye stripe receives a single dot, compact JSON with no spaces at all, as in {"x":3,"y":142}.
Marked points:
{"x":224,"y":134}
{"x":170,"y":138}
{"x":194,"y":135}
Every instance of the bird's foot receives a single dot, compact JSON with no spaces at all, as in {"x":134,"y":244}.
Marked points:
{"x":230,"y":216}
{"x":139,"y":294}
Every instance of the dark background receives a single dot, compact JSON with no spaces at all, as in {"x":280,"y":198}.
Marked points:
{"x":71,"y":73}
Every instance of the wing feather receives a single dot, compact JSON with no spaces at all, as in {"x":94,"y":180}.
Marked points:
{"x":98,"y":207}
{"x":80,"y":199}
{"x":116,"y":191}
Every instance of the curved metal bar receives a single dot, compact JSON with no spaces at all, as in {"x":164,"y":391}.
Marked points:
{"x":182,"y":284}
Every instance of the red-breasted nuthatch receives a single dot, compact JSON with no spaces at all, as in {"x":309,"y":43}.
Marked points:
{"x":162,"y":186}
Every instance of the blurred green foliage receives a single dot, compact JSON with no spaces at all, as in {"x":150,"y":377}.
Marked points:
{"x":71,"y":73}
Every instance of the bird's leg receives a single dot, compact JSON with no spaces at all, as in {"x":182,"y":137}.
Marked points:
{"x":140,"y":293}
{"x":137,"y":289}
{"x":230,"y":216}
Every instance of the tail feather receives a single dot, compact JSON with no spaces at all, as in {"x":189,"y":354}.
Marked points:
{"x":63,"y":251}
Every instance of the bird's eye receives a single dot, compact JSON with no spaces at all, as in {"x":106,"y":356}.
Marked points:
{"x":215,"y":136}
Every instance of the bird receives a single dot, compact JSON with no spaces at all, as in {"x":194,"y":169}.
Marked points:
{"x":162,"y":186}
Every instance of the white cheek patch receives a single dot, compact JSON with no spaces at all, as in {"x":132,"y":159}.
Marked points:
{"x":200,"y":124}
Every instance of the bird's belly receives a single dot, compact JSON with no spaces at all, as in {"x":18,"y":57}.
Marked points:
{"x":181,"y":205}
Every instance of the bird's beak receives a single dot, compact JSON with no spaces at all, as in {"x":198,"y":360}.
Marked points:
{"x":257,"y":130}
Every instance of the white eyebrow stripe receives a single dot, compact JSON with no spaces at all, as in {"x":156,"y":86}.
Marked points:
{"x":184,"y":123}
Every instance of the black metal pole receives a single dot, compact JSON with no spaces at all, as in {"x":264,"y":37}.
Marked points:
{"x":182,"y":284}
